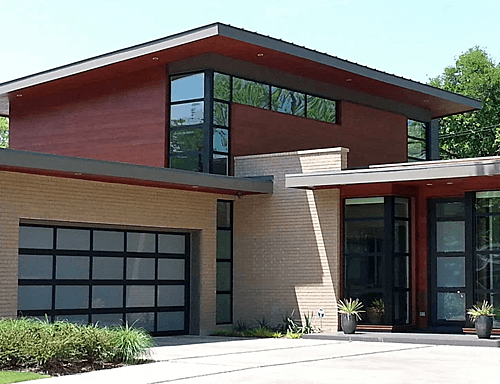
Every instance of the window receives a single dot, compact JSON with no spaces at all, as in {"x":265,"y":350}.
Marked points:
{"x":224,"y":312}
{"x":417,"y":140}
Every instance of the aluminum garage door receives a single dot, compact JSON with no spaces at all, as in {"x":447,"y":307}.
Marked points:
{"x":105,"y":276}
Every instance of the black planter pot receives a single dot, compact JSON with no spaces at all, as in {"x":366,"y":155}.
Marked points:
{"x":484,"y":325}
{"x":348,"y":323}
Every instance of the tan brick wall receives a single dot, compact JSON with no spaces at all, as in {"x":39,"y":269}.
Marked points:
{"x":25,"y":196}
{"x":287,"y":246}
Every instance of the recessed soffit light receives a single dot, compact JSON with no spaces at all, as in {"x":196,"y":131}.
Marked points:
{"x":19,"y":95}
{"x":260,"y":54}
{"x":155,"y":58}
{"x":429,"y":184}
{"x":348,"y":79}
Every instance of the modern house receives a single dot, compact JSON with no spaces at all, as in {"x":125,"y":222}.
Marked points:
{"x":219,"y":175}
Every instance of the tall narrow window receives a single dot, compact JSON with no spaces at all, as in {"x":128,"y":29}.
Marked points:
{"x":224,"y":313}
{"x":417,"y":140}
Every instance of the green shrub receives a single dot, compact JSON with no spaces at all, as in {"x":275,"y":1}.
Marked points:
{"x":131,"y":343}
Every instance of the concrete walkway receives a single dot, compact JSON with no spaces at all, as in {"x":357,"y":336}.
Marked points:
{"x":207,"y":360}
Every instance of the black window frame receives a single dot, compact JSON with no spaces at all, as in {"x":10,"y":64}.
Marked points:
{"x":227,"y":260}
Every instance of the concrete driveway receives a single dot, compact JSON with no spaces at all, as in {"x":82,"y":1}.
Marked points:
{"x":197,"y":360}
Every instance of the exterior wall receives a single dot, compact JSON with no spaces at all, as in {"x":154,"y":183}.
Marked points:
{"x":118,"y":119}
{"x":287,"y":246}
{"x":34,"y":197}
{"x":364,"y":130}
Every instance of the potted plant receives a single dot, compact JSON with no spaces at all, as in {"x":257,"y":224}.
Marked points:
{"x":482,"y":316}
{"x":349,"y":310}
{"x":375,"y":312}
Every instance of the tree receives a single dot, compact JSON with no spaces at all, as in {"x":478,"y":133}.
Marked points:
{"x":4,"y":132}
{"x":477,"y":133}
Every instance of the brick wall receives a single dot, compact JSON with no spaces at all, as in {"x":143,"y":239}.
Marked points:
{"x":287,"y":245}
{"x":34,"y":197}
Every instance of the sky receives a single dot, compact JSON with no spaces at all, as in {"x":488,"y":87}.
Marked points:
{"x":413,"y":39}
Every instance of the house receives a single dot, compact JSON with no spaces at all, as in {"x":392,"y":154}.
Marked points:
{"x":219,"y":175}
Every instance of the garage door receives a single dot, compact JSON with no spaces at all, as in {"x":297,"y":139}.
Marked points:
{"x":105,"y":276}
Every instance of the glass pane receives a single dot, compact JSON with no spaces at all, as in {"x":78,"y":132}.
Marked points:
{"x":450,"y":272}
{"x":223,"y":310}
{"x":488,"y":202}
{"x":250,"y":93}
{"x":286,"y":101}
{"x":223,"y":244}
{"x":187,"y":162}
{"x":109,"y":241}
{"x":34,"y":297}
{"x":221,"y":140}
{"x":450,"y":236}
{"x":402,"y":272}
{"x":72,"y":296}
{"x":187,"y":87}
{"x":141,"y":242}
{"x":447,"y":210}
{"x":140,"y":296}
{"x":108,"y":319}
{"x":364,"y":271}
{"x":488,"y":271}
{"x":186,"y":114}
{"x":75,"y":319}
{"x":224,"y":214}
{"x":223,"y":276}
{"x":107,"y":296}
{"x":321,"y":109}
{"x":72,"y":267}
{"x":417,"y":149}
{"x":35,"y":267}
{"x":451,"y":306}
{"x":73,"y":239}
{"x":140,"y":269}
{"x":222,"y":86}
{"x":221,"y":114}
{"x":402,"y":207}
{"x":145,"y":320}
{"x":364,"y":236}
{"x":171,"y":269}
{"x":186,"y":140}
{"x":359,"y":211}
{"x":171,"y":296}
{"x":220,"y":165}
{"x":416,"y":129}
{"x":107,"y":268}
{"x":488,"y":233}
{"x":401,"y":236}
{"x":36,"y":237}
{"x":172,"y":244}
{"x":401,"y":307}
{"x":170,"y":321}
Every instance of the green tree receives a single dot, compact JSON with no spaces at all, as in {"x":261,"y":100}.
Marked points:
{"x":4,"y":132}
{"x":477,"y":133}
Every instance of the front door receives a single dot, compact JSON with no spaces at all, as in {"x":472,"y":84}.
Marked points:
{"x":448,"y":261}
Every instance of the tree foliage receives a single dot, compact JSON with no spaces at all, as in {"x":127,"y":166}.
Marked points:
{"x":473,"y":134}
{"x":4,"y":132}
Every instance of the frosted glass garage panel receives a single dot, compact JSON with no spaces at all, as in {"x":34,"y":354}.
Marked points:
{"x":140,"y":269}
{"x":75,"y":319}
{"x":171,"y":269}
{"x":140,"y":296}
{"x":109,"y":241}
{"x":145,"y":320}
{"x":36,"y":237}
{"x":108,"y":319}
{"x":110,"y":268}
{"x":34,"y":297}
{"x":141,"y":242}
{"x":107,"y":296}
{"x":172,"y":244}
{"x":72,"y":267}
{"x":73,"y":239}
{"x":35,"y":267}
{"x":72,"y":297}
{"x":170,"y":321}
{"x":171,"y":296}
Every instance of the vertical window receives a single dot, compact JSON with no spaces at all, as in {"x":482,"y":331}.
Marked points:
{"x":417,"y":140}
{"x":221,"y":124}
{"x":224,"y":312}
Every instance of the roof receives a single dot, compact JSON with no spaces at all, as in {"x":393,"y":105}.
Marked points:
{"x":122,"y":173}
{"x":261,"y":50}
{"x":402,"y":172}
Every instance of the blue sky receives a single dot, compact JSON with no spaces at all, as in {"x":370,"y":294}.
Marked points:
{"x":414,"y":39}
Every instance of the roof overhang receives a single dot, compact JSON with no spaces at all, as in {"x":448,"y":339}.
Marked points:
{"x":122,"y":173}
{"x":258,"y":49}
{"x":390,"y":173}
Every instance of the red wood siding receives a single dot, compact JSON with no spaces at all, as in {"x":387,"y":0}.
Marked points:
{"x":373,"y":136}
{"x":118,"y":119}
